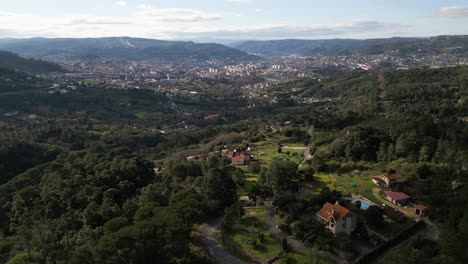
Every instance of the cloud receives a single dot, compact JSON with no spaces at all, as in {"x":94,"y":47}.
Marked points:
{"x":99,"y":21}
{"x":454,"y":11}
{"x":178,"y":23}
{"x":353,"y":28}
{"x":121,"y":3}
{"x":175,"y":14}
{"x":241,"y":1}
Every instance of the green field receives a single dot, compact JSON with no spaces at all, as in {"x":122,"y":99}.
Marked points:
{"x":254,"y":220}
{"x":265,"y":250}
{"x":268,"y":150}
{"x":346,"y":184}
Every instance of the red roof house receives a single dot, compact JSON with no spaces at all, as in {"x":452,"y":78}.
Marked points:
{"x":397,"y":198}
{"x":337,"y":218}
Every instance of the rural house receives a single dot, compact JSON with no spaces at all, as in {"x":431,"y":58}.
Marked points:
{"x":397,"y":198}
{"x":337,"y":218}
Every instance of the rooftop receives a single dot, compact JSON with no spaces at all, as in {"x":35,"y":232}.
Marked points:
{"x":397,"y":196}
{"x":337,"y":211}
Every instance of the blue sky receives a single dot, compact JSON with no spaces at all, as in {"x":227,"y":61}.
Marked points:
{"x":232,"y":19}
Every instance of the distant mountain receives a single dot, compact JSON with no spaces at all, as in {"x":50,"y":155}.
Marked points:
{"x":400,"y":46}
{"x":121,"y":48}
{"x":456,"y":45}
{"x":12,"y":61}
{"x":288,"y":47}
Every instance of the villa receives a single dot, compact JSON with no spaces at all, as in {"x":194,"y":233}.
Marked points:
{"x":337,"y":218}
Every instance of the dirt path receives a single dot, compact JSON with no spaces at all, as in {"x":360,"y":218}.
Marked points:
{"x":207,"y":238}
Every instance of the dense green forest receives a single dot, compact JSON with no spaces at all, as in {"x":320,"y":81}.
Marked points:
{"x":13,"y":81}
{"x":12,"y":61}
{"x":98,"y":176}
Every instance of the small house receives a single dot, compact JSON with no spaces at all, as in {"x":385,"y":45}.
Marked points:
{"x":241,"y":159}
{"x":421,"y":210}
{"x":391,"y":179}
{"x":397,"y":198}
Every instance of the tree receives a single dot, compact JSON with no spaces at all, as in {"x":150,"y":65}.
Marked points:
{"x":254,"y":167}
{"x":233,"y":214}
{"x":374,"y":215}
{"x":219,"y":188}
{"x":280,"y":174}
{"x":424,"y":154}
{"x":285,"y":245}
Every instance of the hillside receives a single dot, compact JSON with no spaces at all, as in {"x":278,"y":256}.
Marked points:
{"x":95,"y":176}
{"x":14,"y":81}
{"x":121,"y":48}
{"x":12,"y":61}
{"x":288,"y":47}
{"x":398,"y":46}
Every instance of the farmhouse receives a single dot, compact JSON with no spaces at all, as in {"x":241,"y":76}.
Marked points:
{"x":388,"y":180}
{"x":337,"y":218}
{"x":397,"y":198}
{"x":237,"y":156}
{"x":241,"y":159}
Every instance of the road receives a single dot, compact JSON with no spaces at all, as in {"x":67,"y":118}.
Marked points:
{"x":207,"y":237}
{"x":30,"y":91}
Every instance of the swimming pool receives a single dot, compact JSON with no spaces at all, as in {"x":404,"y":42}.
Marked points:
{"x":364,"y":204}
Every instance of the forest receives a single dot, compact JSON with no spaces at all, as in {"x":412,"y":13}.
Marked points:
{"x":93,"y":180}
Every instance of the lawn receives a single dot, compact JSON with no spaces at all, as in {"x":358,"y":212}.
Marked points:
{"x":254,"y":220}
{"x":266,"y":250}
{"x":364,"y":185}
{"x":322,"y":180}
{"x":248,"y":230}
{"x":268,"y":150}
{"x":303,"y":257}
{"x":345,"y":184}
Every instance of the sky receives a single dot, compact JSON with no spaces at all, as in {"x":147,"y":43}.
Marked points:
{"x":233,"y":19}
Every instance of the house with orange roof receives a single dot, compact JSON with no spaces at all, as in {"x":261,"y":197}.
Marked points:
{"x":337,"y":218}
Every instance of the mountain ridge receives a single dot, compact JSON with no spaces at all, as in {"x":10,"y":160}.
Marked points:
{"x":139,"y":49}
{"x":396,"y":45}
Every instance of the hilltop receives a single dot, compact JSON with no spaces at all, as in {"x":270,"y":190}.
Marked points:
{"x":396,"y":46}
{"x":12,"y":61}
{"x":121,"y":48}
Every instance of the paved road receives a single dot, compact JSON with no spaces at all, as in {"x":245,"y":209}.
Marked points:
{"x":208,"y":240}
